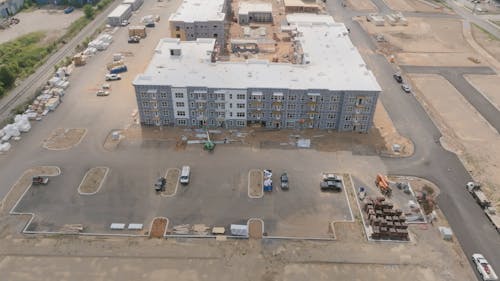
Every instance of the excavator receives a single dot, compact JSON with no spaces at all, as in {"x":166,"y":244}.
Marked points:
{"x":382,"y":183}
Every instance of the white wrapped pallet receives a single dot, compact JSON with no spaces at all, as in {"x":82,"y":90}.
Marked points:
{"x":4,"y":147}
{"x":239,"y":229}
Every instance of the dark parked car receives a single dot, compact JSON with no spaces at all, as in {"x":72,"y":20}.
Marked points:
{"x":134,"y":39}
{"x":398,"y":77}
{"x":331,"y":186}
{"x":284,"y":181}
{"x":160,"y":184}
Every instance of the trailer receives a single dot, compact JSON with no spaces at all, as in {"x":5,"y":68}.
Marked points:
{"x":118,"y":69}
{"x":119,"y":14}
{"x":475,"y":190}
{"x":135,"y":4}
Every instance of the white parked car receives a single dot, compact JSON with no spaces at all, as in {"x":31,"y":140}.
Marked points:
{"x":112,"y":77}
{"x":484,"y":268}
{"x":102,"y":93}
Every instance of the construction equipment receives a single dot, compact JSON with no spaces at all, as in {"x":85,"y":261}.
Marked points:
{"x":382,"y":183}
{"x":475,"y":190}
{"x":209,"y":145}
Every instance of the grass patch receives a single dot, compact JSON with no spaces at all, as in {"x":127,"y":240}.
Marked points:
{"x":490,"y":36}
{"x":20,"y":57}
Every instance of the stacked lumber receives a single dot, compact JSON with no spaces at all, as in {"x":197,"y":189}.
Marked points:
{"x":387,"y":223}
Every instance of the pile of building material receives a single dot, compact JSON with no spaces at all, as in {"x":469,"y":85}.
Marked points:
{"x":139,"y":30}
{"x":376,"y":19}
{"x":102,"y":42}
{"x":396,"y":19}
{"x":385,"y":222}
{"x":21,"y":125}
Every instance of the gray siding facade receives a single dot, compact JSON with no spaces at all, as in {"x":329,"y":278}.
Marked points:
{"x":197,"y":107}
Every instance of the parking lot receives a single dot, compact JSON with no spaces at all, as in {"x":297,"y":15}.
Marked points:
{"x":216,"y":196}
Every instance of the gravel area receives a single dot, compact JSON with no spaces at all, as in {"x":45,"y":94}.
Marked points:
{"x":93,"y":180}
{"x":158,"y":227}
{"x":255,"y":180}
{"x":172,"y":182}
{"x":62,"y":139}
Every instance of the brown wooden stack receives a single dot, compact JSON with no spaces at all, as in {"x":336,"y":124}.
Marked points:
{"x":387,"y":223}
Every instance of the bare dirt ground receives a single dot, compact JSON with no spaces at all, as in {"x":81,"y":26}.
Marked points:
{"x":54,"y":21}
{"x":417,"y":6}
{"x":255,"y":178}
{"x":488,"y":86}
{"x":62,"y":139}
{"x":362,"y":5}
{"x":426,"y":41}
{"x":473,"y":139}
{"x":23,"y":183}
{"x":172,"y":182}
{"x":388,"y":132}
{"x":158,"y":227}
{"x":490,"y":43}
{"x":93,"y":180}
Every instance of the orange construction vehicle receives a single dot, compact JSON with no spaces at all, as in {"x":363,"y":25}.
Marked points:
{"x":383,"y":185}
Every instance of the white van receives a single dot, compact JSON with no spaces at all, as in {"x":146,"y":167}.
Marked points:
{"x":185,"y":173}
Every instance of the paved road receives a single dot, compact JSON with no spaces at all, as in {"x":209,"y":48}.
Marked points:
{"x":28,"y":87}
{"x":471,"y":227}
{"x":455,"y":75}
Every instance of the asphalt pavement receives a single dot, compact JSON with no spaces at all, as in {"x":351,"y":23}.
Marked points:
{"x":430,"y":160}
{"x":455,"y":75}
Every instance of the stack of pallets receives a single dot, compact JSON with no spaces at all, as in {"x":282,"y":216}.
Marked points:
{"x":387,"y":223}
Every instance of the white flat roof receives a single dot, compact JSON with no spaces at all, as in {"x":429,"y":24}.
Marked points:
{"x":308,"y":18}
{"x":119,"y":10}
{"x":335,"y":64}
{"x":248,"y":7}
{"x":199,"y":10}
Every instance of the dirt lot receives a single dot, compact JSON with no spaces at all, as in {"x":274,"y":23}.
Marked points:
{"x":490,"y":43}
{"x":416,"y":6}
{"x":362,"y":5}
{"x":388,"y":132}
{"x":62,"y":139}
{"x":479,"y":151}
{"x":158,"y":227}
{"x":426,"y":41}
{"x":255,"y":179}
{"x":93,"y":180}
{"x":23,"y":183}
{"x":51,"y":20}
{"x":172,"y":182}
{"x":488,"y":86}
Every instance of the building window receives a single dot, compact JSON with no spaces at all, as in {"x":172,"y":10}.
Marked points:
{"x":145,"y":104}
{"x":181,"y":113}
{"x":240,"y":96}
{"x":290,"y":115}
{"x":164,"y":103}
{"x":221,"y":114}
{"x":240,"y":114}
{"x":179,"y":104}
{"x":177,"y":36}
{"x":181,"y":122}
{"x":191,"y":96}
{"x":215,"y":35}
{"x":177,"y":28}
{"x":352,"y":100}
{"x":291,"y":107}
{"x":334,"y":98}
{"x":348,"y":117}
{"x":230,"y":114}
{"x":330,"y":125}
{"x":349,"y":109}
{"x":240,"y":123}
{"x":193,"y":122}
{"x":366,"y":109}
{"x":163,"y":95}
{"x":347,"y":126}
{"x":364,"y":118}
{"x":144,"y":95}
{"x":230,"y":96}
{"x":193,"y":113}
{"x":230,"y":105}
{"x":165,"y":113}
{"x":240,"y":105}
{"x":179,"y":95}
{"x":331,"y":116}
{"x":147,"y":112}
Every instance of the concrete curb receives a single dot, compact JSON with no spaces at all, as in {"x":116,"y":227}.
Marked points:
{"x":74,"y":145}
{"x":248,"y":184}
{"x":100,"y":184}
{"x":176,"y":186}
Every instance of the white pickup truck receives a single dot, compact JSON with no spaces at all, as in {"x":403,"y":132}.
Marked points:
{"x":484,"y":268}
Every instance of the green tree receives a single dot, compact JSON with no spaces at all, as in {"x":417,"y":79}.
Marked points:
{"x":7,"y":78}
{"x":89,"y":11}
